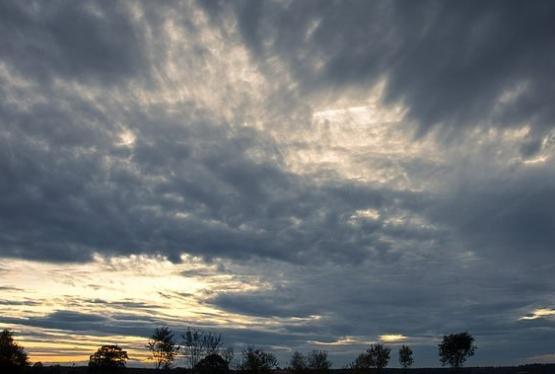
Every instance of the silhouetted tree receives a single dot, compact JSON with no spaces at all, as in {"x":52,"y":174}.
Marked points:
{"x":108,"y":358}
{"x":212,"y":364}
{"x":162,"y":347}
{"x":456,"y":348}
{"x":193,"y":346}
{"x":212,"y":343}
{"x":405,"y":357}
{"x":256,"y":361}
{"x":376,"y":356}
{"x":361,"y":363}
{"x":379,"y":356}
{"x":297,"y":365}
{"x":198,"y":344}
{"x":12,"y":356}
{"x":228,"y":354}
{"x":318,"y":361}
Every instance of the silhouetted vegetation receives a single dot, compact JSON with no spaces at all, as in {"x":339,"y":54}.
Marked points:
{"x":227,"y":354}
{"x":212,"y":358}
{"x":256,"y":361}
{"x":315,"y":362}
{"x":192,"y":343}
{"x":12,"y":356}
{"x":405,"y":357}
{"x":162,"y":347}
{"x":456,"y":348}
{"x":108,"y":358}
{"x":297,"y":364}
{"x":377,"y":356}
{"x":525,"y":369}
{"x":198,"y":344}
{"x":318,"y":362}
{"x":212,"y":364}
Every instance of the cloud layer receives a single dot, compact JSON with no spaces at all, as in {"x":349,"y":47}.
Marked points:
{"x":376,"y":169}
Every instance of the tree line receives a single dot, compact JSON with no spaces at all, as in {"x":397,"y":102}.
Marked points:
{"x":205,"y":353}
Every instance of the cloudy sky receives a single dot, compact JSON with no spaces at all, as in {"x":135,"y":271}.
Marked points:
{"x":296,"y":175}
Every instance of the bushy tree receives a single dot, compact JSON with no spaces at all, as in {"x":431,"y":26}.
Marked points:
{"x":12,"y":355}
{"x":379,"y":356}
{"x":256,"y":361}
{"x":212,"y":364}
{"x":359,"y":364}
{"x":455,"y":349}
{"x":108,"y":358}
{"x":297,"y":365}
{"x":318,"y":361}
{"x":376,"y":356}
{"x":405,"y":356}
{"x":162,"y":347}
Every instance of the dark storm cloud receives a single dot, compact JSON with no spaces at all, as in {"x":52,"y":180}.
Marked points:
{"x":450,"y":63}
{"x":69,"y":191}
{"x":472,"y":252}
{"x":133,"y":325}
{"x":367,"y":301}
{"x":71,"y":321}
{"x":511,"y":213}
{"x":67,"y":40}
{"x":285,"y":305}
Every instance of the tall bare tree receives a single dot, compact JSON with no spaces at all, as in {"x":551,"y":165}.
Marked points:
{"x":212,"y":343}
{"x":198,"y":344}
{"x":193,"y":345}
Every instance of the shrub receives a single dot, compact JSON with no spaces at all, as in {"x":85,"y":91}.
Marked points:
{"x":212,"y":364}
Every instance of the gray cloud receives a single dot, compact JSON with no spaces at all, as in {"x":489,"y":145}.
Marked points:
{"x":505,"y":213}
{"x":85,"y":195}
{"x":284,"y":305}
{"x":77,"y":322}
{"x":91,"y":43}
{"x":449,"y":63}
{"x":471,"y":250}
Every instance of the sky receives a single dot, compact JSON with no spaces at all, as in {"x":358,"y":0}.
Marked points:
{"x":294,"y":175}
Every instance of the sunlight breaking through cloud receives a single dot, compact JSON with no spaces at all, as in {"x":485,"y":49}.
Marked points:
{"x":392,"y":338}
{"x":198,"y":163}
{"x":539,"y":313}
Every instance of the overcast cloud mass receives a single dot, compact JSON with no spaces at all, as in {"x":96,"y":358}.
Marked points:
{"x":293,"y":174}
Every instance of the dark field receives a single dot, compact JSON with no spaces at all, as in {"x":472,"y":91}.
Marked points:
{"x":525,"y":369}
